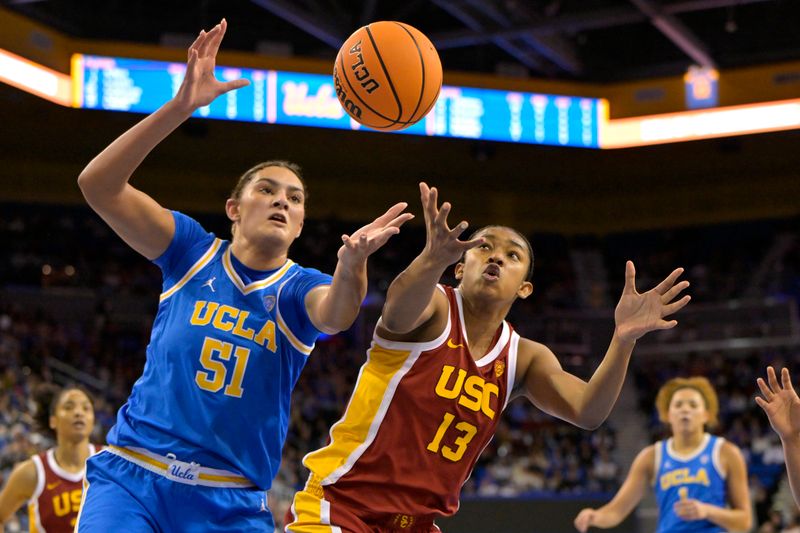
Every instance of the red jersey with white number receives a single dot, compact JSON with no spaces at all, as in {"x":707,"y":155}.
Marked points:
{"x":54,"y":505}
{"x":417,"y":421}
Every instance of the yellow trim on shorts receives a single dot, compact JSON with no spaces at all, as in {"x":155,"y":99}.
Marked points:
{"x":164,"y":466}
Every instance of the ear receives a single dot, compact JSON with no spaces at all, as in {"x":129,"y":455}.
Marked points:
{"x":459,"y":271}
{"x":525,"y":290}
{"x":232,"y":209}
{"x":52,"y":422}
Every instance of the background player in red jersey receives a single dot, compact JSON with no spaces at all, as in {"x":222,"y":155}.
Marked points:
{"x":52,"y":481}
{"x":443,"y":364}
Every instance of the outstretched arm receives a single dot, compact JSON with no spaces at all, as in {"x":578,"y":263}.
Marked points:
{"x":410,"y":299}
{"x":138,"y":219}
{"x":19,"y":489}
{"x":625,"y":500}
{"x":782,"y":406}
{"x":584,"y":404}
{"x":333,"y":308}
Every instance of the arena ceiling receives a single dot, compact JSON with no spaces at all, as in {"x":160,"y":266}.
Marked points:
{"x":589,"y":40}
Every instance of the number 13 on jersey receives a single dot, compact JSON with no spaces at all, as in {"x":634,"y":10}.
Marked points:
{"x":467,"y":432}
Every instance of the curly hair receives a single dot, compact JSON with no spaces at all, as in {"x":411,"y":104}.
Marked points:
{"x":698,"y":383}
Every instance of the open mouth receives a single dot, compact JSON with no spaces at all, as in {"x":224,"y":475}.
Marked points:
{"x":79,"y":424}
{"x":491,"y":272}
{"x":277,"y":217}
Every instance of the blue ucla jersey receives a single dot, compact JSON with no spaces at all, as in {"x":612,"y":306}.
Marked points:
{"x":227,"y":346}
{"x":697,"y":476}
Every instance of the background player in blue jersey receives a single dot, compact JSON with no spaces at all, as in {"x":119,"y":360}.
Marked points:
{"x":782,"y":406}
{"x":700,"y":480}
{"x":199,"y":440}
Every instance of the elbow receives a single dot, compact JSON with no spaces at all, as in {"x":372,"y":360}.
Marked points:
{"x":589,"y":422}
{"x":747,"y":522}
{"x":392,"y":325}
{"x":85,"y":184}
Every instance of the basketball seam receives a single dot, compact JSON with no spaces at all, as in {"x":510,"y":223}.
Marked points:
{"x":355,"y":95}
{"x":386,"y":72}
{"x":422,"y":65}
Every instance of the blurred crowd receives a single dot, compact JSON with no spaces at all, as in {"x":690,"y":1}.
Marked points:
{"x":531,"y":454}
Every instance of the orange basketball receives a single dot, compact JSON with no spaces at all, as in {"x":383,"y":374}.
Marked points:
{"x":387,"y":75}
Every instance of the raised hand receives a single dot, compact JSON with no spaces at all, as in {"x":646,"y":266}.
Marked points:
{"x":363,"y":242}
{"x":637,"y":314}
{"x":200,"y":87}
{"x":442,"y":242}
{"x":780,"y":402}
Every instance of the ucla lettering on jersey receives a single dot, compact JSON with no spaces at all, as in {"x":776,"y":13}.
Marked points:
{"x":227,"y":348}
{"x":697,"y":475}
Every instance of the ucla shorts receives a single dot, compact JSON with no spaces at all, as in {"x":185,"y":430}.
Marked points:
{"x":133,"y":491}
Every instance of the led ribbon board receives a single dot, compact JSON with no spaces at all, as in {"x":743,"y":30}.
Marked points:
{"x":302,"y":99}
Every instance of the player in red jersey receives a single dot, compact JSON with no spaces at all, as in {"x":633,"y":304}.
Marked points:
{"x":442,"y":366}
{"x":52,"y":481}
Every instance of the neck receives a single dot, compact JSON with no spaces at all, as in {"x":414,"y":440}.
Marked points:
{"x":687,"y":441}
{"x":482,"y":318}
{"x":71,"y":456}
{"x":258,"y":257}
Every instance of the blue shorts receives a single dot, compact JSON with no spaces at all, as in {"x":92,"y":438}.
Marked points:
{"x":122,"y":496}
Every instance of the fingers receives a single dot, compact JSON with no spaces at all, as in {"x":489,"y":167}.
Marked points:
{"x":424,"y":192}
{"x":772,"y":379}
{"x":216,"y":40}
{"x":197,"y":42}
{"x":674,"y":291}
{"x":762,"y":403}
{"x":206,"y":44}
{"x":399,"y":221}
{"x":630,"y":278}
{"x":467,"y":245}
{"x":234,"y":84}
{"x":391,"y":214}
{"x":786,"y":379}
{"x":666,"y":324}
{"x":675,"y":306}
{"x":665,"y":285}
{"x":764,"y":388}
{"x":441,"y":216}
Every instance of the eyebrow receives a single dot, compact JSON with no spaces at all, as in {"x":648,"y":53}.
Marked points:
{"x":511,"y":241}
{"x":293,"y":188}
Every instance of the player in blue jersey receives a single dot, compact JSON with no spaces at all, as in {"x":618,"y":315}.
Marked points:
{"x":197,"y":444}
{"x":700,"y":480}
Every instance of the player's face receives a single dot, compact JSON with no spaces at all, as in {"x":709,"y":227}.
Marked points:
{"x":687,"y":411}
{"x":74,"y":415}
{"x":272,"y":205}
{"x":499,"y":265}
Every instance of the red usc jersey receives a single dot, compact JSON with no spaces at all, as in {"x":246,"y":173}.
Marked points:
{"x":418,"y":419}
{"x":54,"y":505}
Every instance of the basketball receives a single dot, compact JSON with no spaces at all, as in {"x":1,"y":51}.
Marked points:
{"x":387,"y":75}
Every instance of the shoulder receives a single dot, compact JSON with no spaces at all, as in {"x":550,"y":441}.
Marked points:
{"x":23,"y":478}
{"x":532,"y":354}
{"x":645,"y":461}
{"x":730,"y":454}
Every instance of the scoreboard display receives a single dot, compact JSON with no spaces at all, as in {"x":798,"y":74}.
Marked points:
{"x":303,"y":99}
